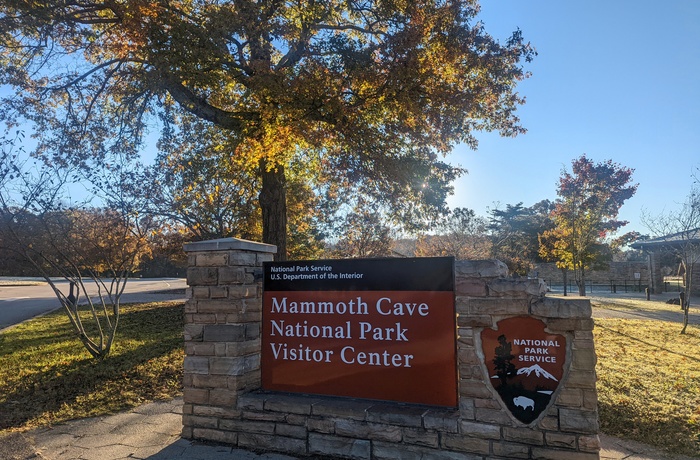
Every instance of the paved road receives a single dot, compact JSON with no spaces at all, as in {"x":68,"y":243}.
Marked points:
{"x":19,"y":303}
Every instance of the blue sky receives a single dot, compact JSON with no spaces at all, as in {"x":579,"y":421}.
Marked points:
{"x":615,"y":80}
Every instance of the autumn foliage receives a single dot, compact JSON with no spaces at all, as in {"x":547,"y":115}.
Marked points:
{"x":371,"y":93}
{"x":585,"y":216}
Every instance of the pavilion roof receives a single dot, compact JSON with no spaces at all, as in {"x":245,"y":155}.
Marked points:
{"x":672,"y":240}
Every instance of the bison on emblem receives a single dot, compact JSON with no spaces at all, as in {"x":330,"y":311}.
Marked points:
{"x":525,"y":403}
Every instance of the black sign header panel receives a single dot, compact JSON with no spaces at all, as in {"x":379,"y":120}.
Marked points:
{"x":398,"y":274}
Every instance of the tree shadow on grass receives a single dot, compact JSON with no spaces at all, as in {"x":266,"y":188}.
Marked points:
{"x":127,"y":377}
{"x":673,"y":434}
{"x":52,"y":328}
{"x":651,"y":344}
{"x":136,"y":322}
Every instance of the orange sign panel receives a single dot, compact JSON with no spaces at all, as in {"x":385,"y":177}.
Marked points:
{"x":396,"y":345}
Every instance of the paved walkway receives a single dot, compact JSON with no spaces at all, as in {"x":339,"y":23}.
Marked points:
{"x":152,"y":432}
{"x":633,"y":305}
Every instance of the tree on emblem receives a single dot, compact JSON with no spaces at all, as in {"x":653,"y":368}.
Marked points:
{"x":502,"y":361}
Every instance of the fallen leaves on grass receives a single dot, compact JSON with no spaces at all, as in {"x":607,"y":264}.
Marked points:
{"x":649,"y":383}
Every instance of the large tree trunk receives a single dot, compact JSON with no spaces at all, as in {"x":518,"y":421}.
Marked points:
{"x":566,"y":280}
{"x":581,"y":281}
{"x":273,"y":203}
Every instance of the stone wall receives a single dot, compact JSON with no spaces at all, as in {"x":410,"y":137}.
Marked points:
{"x":224,"y":402}
{"x":618,"y":272}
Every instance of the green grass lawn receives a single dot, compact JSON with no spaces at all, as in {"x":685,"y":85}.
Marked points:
{"x":46,"y":376}
{"x":648,"y":374}
{"x":649,"y":383}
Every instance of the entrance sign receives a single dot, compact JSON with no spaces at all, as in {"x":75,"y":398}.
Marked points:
{"x":524,"y":363}
{"x":366,"y":328}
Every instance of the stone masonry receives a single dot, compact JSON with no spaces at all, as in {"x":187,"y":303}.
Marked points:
{"x":223,"y":401}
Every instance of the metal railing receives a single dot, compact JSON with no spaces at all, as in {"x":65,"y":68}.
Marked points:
{"x":610,"y":286}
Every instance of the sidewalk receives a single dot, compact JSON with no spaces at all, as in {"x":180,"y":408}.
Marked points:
{"x":152,"y":432}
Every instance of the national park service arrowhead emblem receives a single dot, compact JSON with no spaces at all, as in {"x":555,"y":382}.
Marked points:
{"x":524,"y":363}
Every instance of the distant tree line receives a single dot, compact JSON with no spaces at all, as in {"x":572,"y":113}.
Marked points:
{"x":194,"y":197}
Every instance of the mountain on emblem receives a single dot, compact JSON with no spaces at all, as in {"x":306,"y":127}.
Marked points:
{"x":539,"y":372}
{"x":525,"y":365}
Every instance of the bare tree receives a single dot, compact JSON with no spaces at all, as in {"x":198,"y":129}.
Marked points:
{"x":364,"y":234}
{"x":93,"y":250}
{"x":462,"y":234}
{"x":679,"y":233}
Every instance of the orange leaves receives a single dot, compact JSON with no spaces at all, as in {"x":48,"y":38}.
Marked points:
{"x":585,"y":213}
{"x":276,"y":143}
{"x":376,"y":87}
{"x":101,"y":240}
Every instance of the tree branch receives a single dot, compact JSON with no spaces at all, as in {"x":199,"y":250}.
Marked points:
{"x":199,"y":106}
{"x":344,"y":27}
{"x":86,"y":74}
